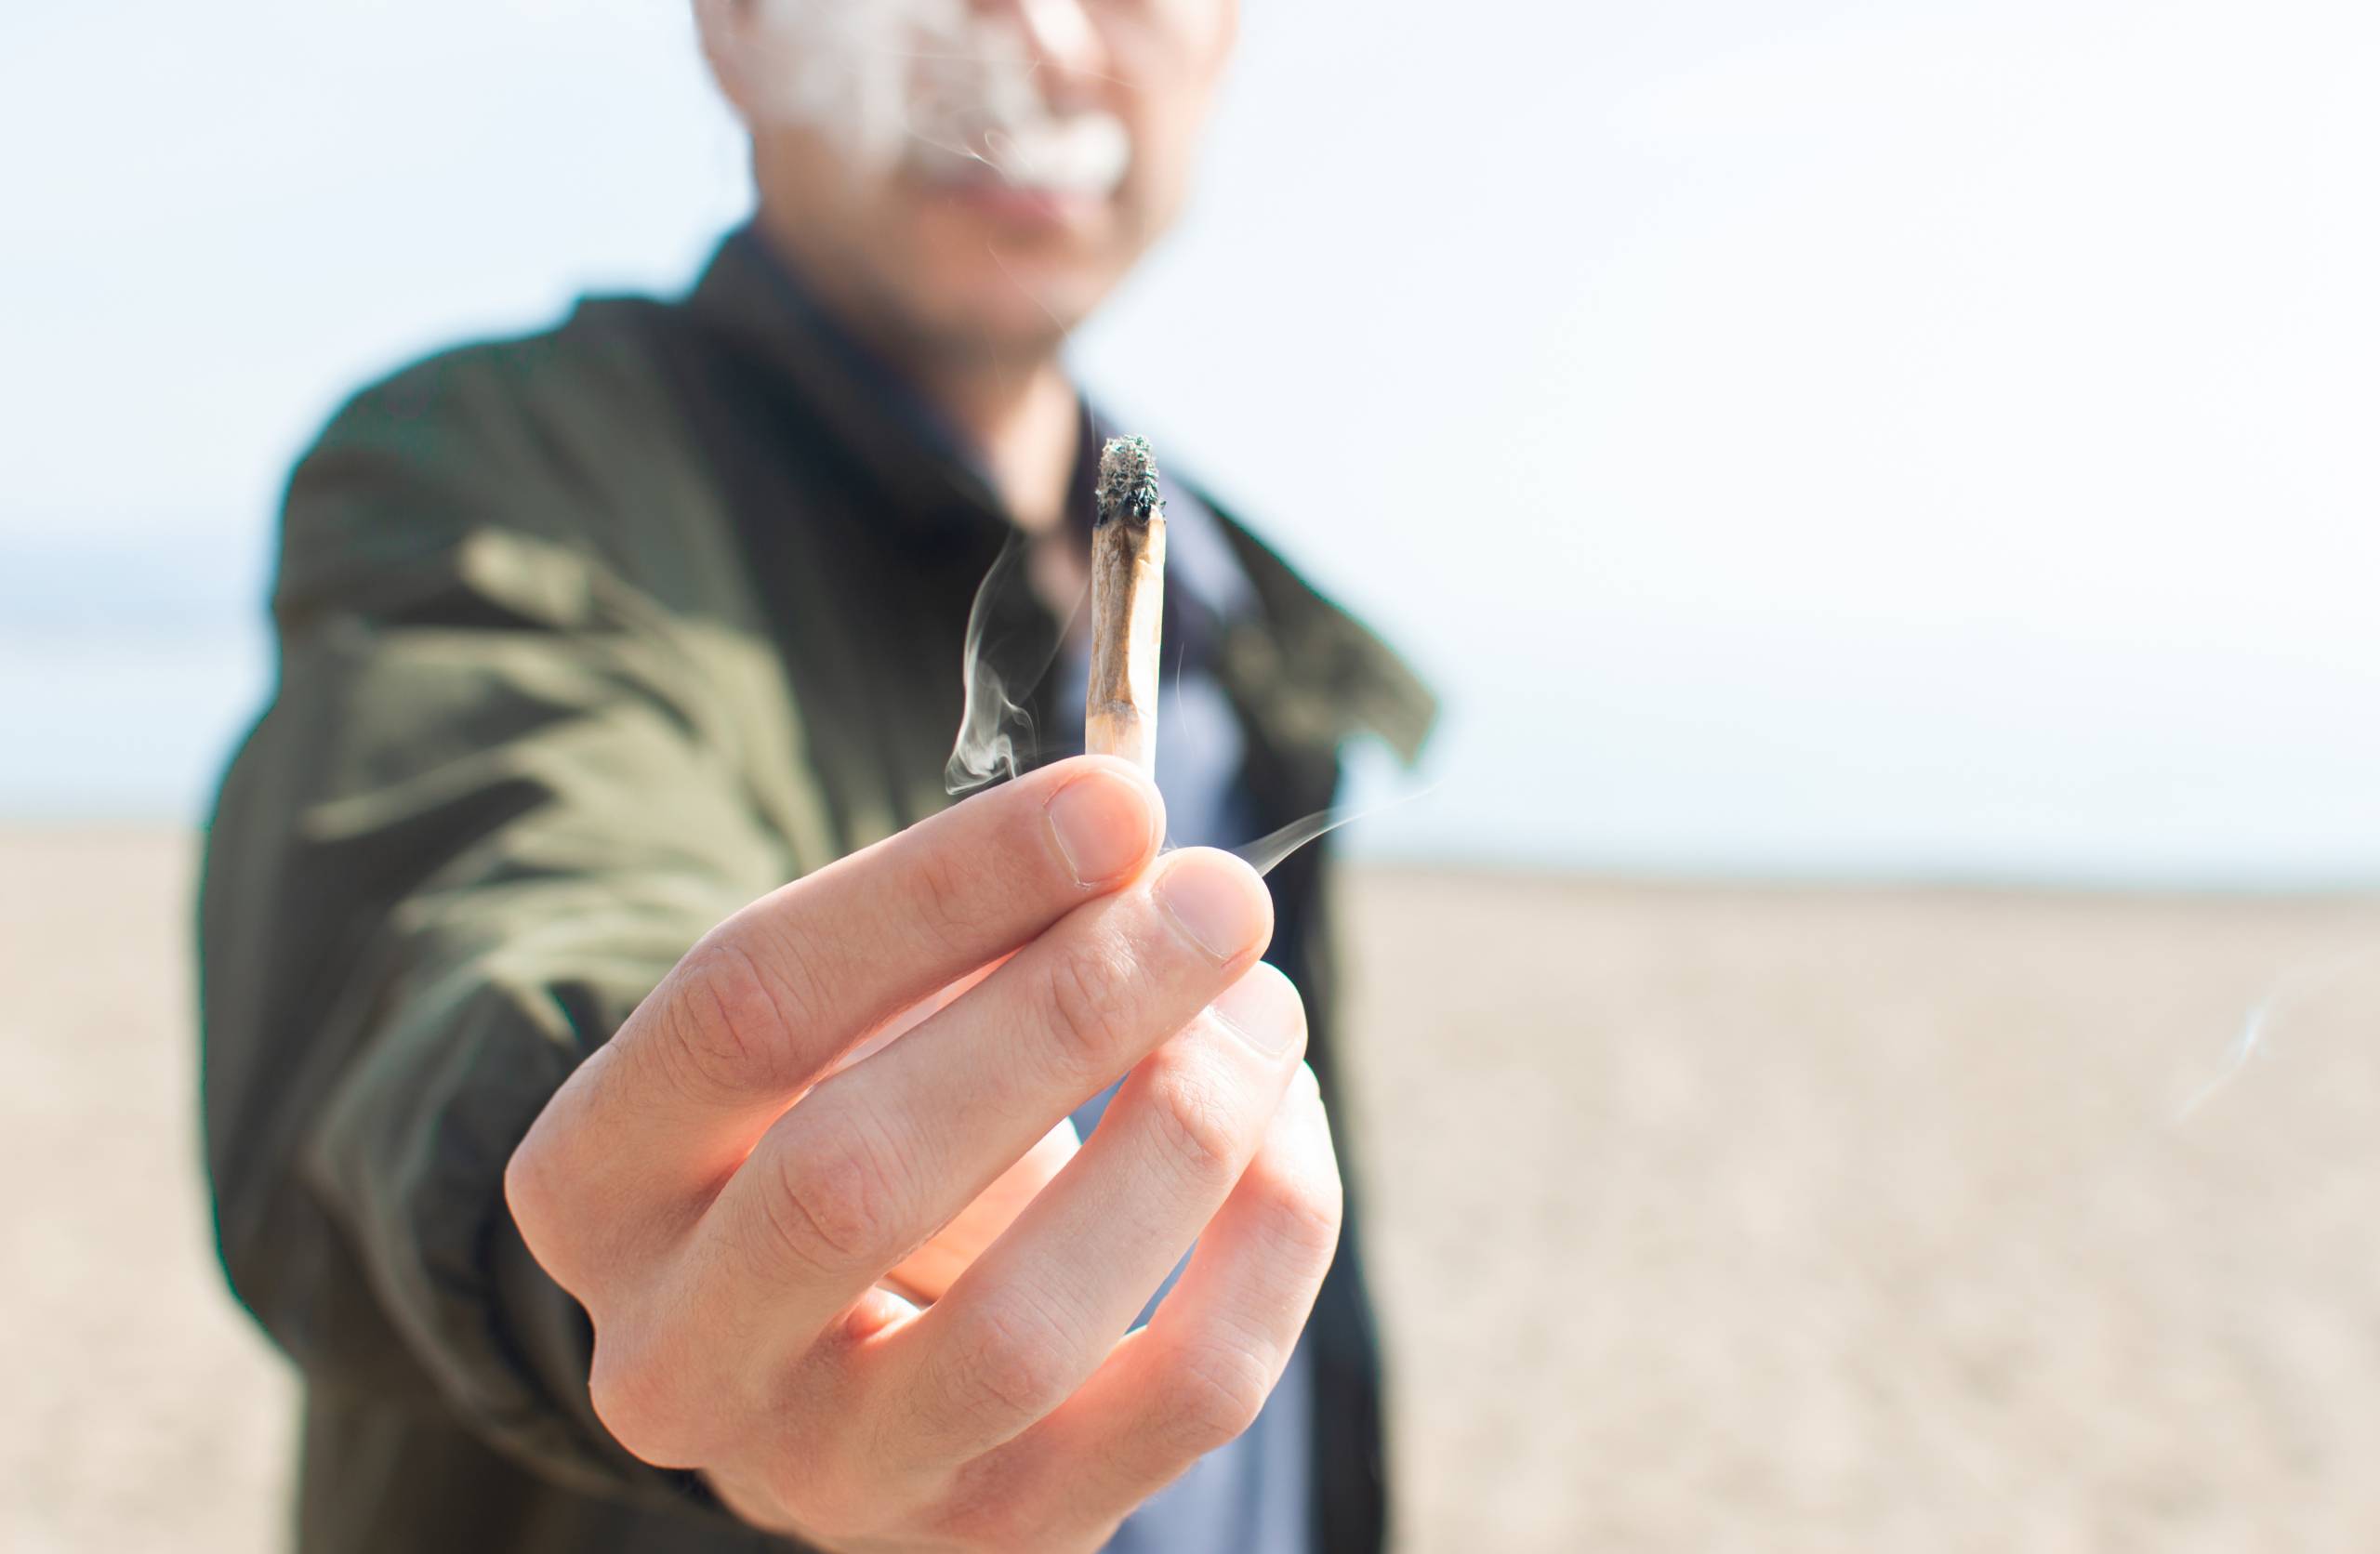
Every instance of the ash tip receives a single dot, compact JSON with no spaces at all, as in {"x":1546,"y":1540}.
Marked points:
{"x":1127,"y":481}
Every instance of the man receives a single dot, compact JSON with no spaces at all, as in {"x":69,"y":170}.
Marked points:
{"x":535,"y":1127}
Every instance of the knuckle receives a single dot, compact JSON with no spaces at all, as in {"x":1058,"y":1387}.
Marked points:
{"x":1211,"y":1395}
{"x":1302,"y":1218}
{"x":638,"y":1401}
{"x":1195,"y":1133}
{"x":1008,"y":1366}
{"x":545,"y":1193}
{"x":1084,"y":997}
{"x":535,"y":1192}
{"x":954,"y":895}
{"x":835,"y":1203}
{"x":730,"y":1020}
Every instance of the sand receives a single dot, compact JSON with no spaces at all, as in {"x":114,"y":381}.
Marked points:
{"x":1707,"y":1217}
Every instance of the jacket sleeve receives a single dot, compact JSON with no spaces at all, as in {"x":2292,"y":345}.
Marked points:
{"x":497,"y":792}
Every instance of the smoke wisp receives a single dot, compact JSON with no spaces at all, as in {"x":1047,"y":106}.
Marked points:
{"x":1268,"y":852}
{"x":1009,"y":649}
{"x":1006,"y":654}
{"x":2252,"y":1040}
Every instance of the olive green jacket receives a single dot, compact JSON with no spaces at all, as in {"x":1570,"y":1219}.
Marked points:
{"x":586,"y":640}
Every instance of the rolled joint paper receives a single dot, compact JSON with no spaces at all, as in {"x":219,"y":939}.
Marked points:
{"x":1126,"y":605}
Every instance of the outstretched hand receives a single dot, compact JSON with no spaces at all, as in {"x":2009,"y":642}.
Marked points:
{"x":736,"y":1213}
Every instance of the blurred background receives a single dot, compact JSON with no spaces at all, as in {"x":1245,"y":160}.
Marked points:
{"x":1870,"y":1040}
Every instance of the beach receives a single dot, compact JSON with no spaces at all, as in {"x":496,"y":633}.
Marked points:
{"x":1704,"y":1216}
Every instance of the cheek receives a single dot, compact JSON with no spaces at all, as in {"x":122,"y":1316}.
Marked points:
{"x":1164,"y":151}
{"x":799,"y":169}
{"x":1198,"y":29}
{"x":1195,"y":39}
{"x":1178,"y":58}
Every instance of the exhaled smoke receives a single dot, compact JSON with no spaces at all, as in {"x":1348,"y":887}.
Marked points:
{"x":939,"y":86}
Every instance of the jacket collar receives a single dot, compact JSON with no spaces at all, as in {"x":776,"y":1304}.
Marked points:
{"x":933,"y":483}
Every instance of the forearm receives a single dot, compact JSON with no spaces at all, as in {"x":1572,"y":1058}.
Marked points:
{"x":445,"y":870}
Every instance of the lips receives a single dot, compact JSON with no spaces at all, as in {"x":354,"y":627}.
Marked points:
{"x":1082,"y":156}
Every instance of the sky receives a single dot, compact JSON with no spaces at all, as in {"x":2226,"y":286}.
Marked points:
{"x":1916,"y":439}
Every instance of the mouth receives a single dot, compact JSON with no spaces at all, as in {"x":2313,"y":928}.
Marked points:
{"x":944,"y":96}
{"x":1050,"y":166}
{"x":1023,"y":208}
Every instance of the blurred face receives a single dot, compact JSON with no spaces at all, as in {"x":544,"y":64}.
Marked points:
{"x":968,"y":177}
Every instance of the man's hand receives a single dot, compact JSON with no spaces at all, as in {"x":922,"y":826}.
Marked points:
{"x":724,"y":1202}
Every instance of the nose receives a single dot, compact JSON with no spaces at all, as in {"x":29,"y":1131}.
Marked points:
{"x":1064,"y":40}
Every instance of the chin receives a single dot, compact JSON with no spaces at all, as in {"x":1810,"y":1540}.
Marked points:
{"x":1011,"y":301}
{"x":1022,"y":272}
{"x":1009,"y":316}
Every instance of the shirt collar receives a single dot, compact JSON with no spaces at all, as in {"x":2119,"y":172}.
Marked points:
{"x":933,"y":479}
{"x":1308,"y":672}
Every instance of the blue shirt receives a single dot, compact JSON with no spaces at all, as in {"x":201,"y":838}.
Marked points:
{"x":1254,"y":1496}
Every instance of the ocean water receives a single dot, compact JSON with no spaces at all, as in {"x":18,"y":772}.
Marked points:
{"x":1657,"y":743}
{"x":129,"y":665}
{"x":137,"y":726}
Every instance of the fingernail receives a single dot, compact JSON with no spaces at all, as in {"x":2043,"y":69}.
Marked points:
{"x":1100,"y":821}
{"x":1217,"y":901}
{"x":1263,"y":1009}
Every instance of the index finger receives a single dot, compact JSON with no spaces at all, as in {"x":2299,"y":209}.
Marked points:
{"x":767,"y":1001}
